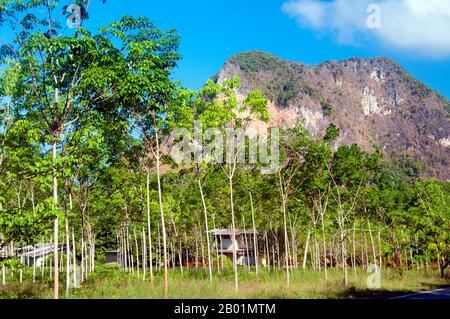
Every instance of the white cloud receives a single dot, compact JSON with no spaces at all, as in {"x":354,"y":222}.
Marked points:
{"x":420,"y":27}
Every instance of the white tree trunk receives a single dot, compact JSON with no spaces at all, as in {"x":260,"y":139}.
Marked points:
{"x":67,"y":257}
{"x":74,"y":260}
{"x":255,"y":241}
{"x":149,"y":228}
{"x":55,"y":199}
{"x":344,"y":259}
{"x":324,"y":246}
{"x":163,"y":226}
{"x":233,"y":230}
{"x":286,"y":239}
{"x":207,"y":228}
{"x":55,"y":261}
{"x":34,"y":265}
{"x":305,"y":254}
{"x":373,"y":243}
{"x":144,"y":254}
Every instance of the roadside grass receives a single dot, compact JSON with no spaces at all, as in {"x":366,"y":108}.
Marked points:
{"x":109,"y":282}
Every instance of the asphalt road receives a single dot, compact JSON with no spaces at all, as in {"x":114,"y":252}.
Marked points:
{"x":438,"y":294}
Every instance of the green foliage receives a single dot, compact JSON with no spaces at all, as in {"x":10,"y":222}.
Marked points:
{"x":105,"y":99}
{"x":287,"y":94}
{"x":431,"y":217}
{"x":18,"y":224}
{"x":11,"y":263}
{"x":255,"y":60}
{"x":332,"y":133}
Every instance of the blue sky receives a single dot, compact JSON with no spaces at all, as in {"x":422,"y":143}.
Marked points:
{"x":213,"y":30}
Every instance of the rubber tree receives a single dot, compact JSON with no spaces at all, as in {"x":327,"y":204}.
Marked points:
{"x":52,"y":65}
{"x":223,"y":110}
{"x":431,"y":219}
{"x":145,"y":90}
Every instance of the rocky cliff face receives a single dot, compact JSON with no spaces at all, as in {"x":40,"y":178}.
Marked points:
{"x":374,"y":102}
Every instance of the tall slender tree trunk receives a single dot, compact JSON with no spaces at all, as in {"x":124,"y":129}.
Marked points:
{"x":344,"y":260}
{"x":149,"y":229}
{"x":373,"y":243}
{"x":55,"y":180}
{"x":55,"y":261}
{"x":186,"y":252}
{"x":286,"y":245}
{"x":203,"y":249}
{"x":268,"y":251}
{"x":276,"y":260}
{"x":124,"y":251}
{"x":233,"y":230}
{"x":196,"y":247}
{"x":42,"y":263}
{"x":61,"y":261}
{"x":130,"y":250}
{"x":217,"y":247}
{"x":255,"y":239}
{"x":324,"y":246}
{"x":246,"y":243}
{"x":305,"y":254}
{"x":180,"y":255}
{"x":159,"y":257}
{"x":144,"y":254}
{"x":93,"y":251}
{"x":206,"y":226}
{"x":161,"y":210}
{"x":74,"y":261}
{"x":313,"y":257}
{"x":67,"y":257}
{"x":55,"y":203}
{"x":34,"y":265}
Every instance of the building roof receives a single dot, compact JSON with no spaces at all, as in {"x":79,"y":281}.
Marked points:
{"x":226,"y":232}
{"x":44,"y":250}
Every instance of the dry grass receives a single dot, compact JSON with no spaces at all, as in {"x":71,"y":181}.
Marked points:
{"x":304,"y":285}
{"x":110,"y":283}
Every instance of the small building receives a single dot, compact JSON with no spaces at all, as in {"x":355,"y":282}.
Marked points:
{"x":112,"y":257}
{"x":36,"y":255}
{"x":244,"y":245}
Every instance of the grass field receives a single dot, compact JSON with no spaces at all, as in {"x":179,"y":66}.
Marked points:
{"x":109,"y":283}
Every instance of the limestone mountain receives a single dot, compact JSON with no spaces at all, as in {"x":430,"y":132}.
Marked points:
{"x":375,"y":102}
